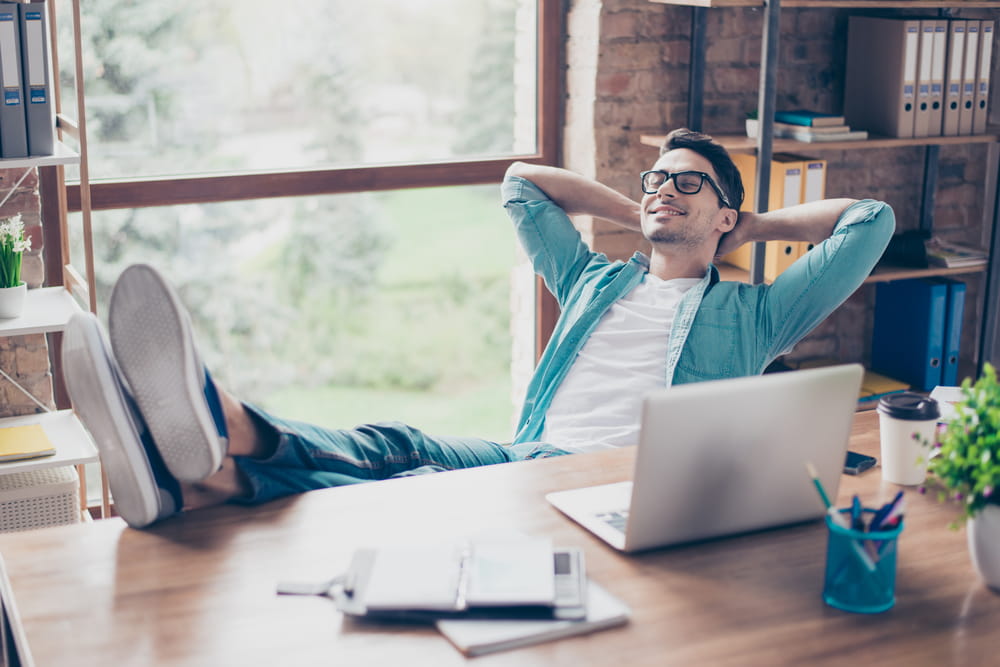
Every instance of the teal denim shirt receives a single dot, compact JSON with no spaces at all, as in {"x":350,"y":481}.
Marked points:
{"x":722,"y":329}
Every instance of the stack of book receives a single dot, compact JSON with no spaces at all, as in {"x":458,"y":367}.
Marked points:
{"x":953,"y":255}
{"x":813,"y":126}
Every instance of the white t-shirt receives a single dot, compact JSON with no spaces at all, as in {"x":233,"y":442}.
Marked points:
{"x":598,"y":404}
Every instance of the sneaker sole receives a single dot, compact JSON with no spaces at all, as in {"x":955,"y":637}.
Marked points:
{"x":154,"y":345}
{"x":98,"y":401}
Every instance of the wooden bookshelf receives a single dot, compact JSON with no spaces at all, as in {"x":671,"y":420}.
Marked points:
{"x":742,"y":144}
{"x":924,"y":5}
{"x":881,"y":274}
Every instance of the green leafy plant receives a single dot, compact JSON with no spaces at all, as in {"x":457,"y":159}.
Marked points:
{"x":13,"y":243}
{"x":968,"y":464}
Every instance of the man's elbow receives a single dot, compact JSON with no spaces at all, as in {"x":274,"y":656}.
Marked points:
{"x":518,"y":169}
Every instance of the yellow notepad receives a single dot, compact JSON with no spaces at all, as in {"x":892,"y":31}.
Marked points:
{"x":24,"y":442}
{"x":876,"y":383}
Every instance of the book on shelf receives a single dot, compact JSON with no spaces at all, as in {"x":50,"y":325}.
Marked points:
{"x":808,"y":135}
{"x":876,"y":385}
{"x":953,"y":255}
{"x":24,"y":442}
{"x":808,"y":118}
{"x":822,"y":129}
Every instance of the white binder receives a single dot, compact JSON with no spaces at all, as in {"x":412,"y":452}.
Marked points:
{"x":938,"y":56}
{"x":981,"y":107}
{"x":971,"y":62}
{"x":953,"y":77}
{"x":925,"y":54}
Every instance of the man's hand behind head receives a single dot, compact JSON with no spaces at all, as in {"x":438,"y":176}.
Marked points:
{"x":736,"y":237}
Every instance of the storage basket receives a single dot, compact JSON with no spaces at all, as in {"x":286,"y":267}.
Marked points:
{"x":46,"y":497}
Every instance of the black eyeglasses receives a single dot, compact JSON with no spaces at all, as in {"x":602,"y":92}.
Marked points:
{"x":686,"y":182}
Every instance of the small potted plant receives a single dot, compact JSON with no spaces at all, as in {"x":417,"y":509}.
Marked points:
{"x":13,"y":243}
{"x":752,"y":124}
{"x":967,"y":469}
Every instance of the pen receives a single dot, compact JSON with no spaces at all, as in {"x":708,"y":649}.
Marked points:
{"x":857,"y":522}
{"x":839,"y":519}
{"x":884,"y":511}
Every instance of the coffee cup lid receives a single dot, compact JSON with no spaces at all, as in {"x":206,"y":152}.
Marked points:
{"x":910,"y":406}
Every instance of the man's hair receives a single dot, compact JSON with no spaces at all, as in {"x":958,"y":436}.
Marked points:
{"x":713,"y":151}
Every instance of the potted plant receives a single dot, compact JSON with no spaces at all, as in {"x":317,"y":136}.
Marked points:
{"x":751,"y":124}
{"x":13,"y":243}
{"x":967,"y":468}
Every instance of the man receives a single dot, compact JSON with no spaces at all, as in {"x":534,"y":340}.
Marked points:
{"x":171,"y":439}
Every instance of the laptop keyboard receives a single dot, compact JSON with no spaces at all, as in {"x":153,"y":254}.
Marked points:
{"x":616,"y":519}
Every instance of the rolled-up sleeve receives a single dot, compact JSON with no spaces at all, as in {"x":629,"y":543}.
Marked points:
{"x":554,"y":246}
{"x":817,"y":283}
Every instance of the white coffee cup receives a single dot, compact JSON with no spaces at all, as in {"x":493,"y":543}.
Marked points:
{"x":907,"y":432}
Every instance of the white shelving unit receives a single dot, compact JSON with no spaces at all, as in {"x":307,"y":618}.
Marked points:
{"x":46,"y":309}
{"x":73,"y":444}
{"x":63,"y":155}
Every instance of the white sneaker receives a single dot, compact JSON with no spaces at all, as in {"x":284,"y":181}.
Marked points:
{"x":153,"y":342}
{"x":143,"y":490}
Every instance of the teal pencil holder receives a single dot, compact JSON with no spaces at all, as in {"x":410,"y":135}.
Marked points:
{"x":860,"y":568}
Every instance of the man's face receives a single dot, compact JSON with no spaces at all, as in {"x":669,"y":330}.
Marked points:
{"x":672,"y":218}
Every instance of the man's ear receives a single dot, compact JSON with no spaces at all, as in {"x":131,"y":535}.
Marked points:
{"x":728,"y":220}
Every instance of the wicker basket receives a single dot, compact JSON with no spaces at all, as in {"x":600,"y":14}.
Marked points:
{"x":47,"y":497}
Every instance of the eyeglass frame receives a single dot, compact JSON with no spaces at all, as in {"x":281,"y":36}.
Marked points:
{"x":704,"y":177}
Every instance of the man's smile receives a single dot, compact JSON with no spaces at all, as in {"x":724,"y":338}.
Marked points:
{"x":665,"y":209}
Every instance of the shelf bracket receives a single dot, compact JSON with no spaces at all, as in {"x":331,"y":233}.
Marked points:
{"x":989,"y":339}
{"x":765,"y":124}
{"x":931,"y":154}
{"x":696,"y":71}
{"x":16,"y":185}
{"x":24,"y":391}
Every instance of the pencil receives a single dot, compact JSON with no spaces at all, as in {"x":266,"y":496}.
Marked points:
{"x":818,"y":485}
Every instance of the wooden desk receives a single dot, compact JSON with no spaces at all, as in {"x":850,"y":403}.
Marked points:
{"x":199,"y":589}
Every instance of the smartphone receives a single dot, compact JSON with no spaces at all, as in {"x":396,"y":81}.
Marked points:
{"x":856,"y":463}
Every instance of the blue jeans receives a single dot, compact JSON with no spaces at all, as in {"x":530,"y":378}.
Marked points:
{"x":310,"y":457}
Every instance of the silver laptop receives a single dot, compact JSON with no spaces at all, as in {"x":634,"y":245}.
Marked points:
{"x":725,"y":457}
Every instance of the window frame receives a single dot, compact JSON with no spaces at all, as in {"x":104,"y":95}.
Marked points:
{"x":121,"y":193}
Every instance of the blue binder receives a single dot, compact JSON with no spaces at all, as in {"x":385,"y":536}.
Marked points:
{"x":952,"y":330}
{"x":909,"y":333}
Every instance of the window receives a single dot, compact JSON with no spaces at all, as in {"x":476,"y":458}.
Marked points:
{"x":223,"y":138}
{"x":341,"y":309}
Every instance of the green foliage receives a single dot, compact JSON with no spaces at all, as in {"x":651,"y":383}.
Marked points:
{"x":968,"y":465}
{"x":12,"y":246}
{"x":487,"y":118}
{"x":383,"y":293}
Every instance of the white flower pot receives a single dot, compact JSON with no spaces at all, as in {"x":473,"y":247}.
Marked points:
{"x":12,"y":300}
{"x":984,"y":545}
{"x":752,"y":128}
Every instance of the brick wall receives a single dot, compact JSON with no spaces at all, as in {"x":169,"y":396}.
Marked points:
{"x":627,"y":75}
{"x":25,"y":358}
